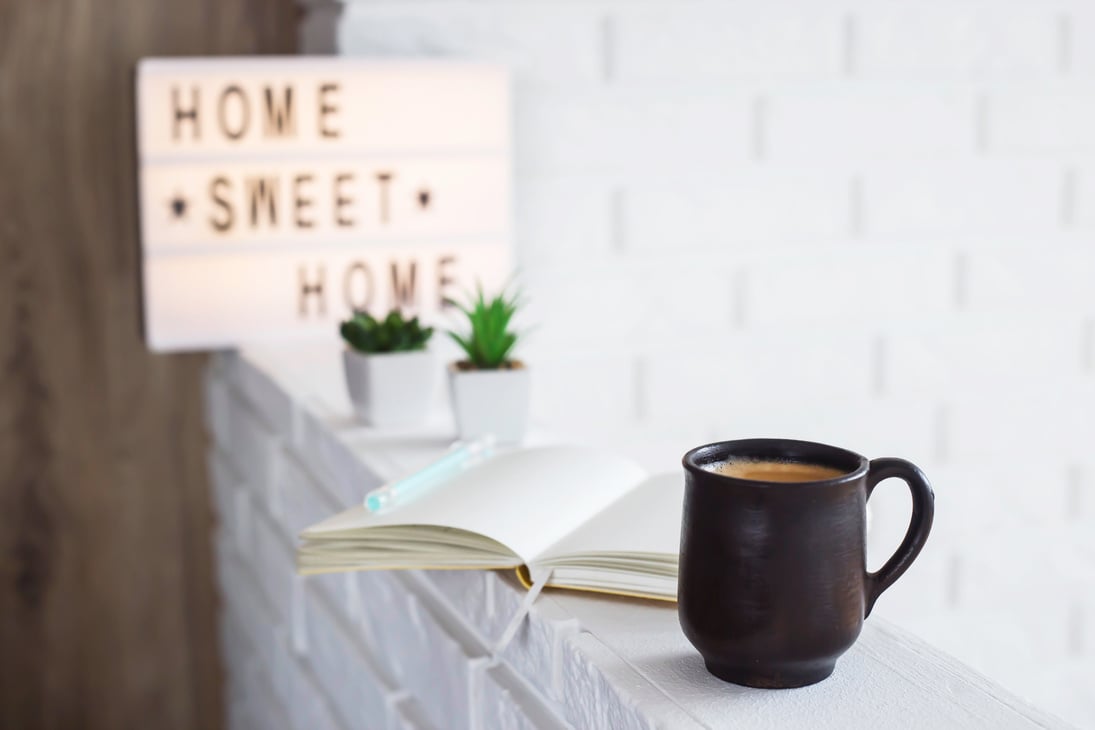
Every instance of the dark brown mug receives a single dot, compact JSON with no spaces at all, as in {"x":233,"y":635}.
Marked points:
{"x":773,"y":584}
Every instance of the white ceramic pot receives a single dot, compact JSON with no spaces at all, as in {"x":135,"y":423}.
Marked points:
{"x":490,"y":401}
{"x":391,"y":388}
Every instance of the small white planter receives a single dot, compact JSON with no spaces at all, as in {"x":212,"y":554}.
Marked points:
{"x":490,"y":401}
{"x":392,"y":388}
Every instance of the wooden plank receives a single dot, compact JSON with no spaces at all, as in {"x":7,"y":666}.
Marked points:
{"x":107,"y":604}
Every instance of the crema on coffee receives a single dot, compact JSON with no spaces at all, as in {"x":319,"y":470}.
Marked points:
{"x":774,"y":471}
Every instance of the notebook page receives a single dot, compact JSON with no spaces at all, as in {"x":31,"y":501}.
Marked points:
{"x":526,"y":499}
{"x":645,"y":520}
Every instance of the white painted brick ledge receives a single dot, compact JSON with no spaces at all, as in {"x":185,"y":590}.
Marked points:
{"x":412,"y":650}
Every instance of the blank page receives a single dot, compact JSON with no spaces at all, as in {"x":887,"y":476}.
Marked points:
{"x":646,"y":520}
{"x":527,"y":499}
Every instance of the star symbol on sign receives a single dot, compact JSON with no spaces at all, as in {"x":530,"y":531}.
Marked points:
{"x":178,"y":206}
{"x":424,"y":198}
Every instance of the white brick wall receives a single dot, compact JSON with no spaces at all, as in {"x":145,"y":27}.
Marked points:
{"x":958,"y":41}
{"x":628,"y":131}
{"x":994,"y":198}
{"x":863,"y":222}
{"x":868,"y":122}
{"x":740,"y":208}
{"x":702,"y":43}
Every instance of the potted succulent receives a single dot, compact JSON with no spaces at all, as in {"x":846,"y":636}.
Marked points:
{"x":389,"y":372}
{"x":490,"y":390}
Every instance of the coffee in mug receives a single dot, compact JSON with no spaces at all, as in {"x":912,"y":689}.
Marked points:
{"x":773,"y":584}
{"x":774,"y":471}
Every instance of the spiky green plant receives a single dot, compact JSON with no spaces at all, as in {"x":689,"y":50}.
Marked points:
{"x":369,"y":335}
{"x":489,"y":343}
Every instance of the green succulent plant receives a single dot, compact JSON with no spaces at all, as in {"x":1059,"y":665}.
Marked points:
{"x":489,"y":343}
{"x":369,"y":335}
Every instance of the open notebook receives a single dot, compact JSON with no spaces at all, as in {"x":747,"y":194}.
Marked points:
{"x":595,"y":520}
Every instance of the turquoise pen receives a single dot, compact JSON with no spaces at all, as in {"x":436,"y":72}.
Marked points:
{"x":461,"y":455}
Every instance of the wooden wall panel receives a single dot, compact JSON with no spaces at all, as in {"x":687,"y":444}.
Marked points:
{"x":107,"y":599}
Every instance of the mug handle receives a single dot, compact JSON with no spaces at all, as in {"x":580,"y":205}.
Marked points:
{"x":923,"y":511}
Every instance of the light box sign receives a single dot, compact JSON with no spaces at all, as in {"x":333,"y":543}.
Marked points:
{"x":278,"y":195}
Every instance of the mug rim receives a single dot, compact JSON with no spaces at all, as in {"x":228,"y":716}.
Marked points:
{"x":691,"y":464}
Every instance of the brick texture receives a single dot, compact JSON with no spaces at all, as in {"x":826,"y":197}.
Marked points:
{"x":866,"y":223}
